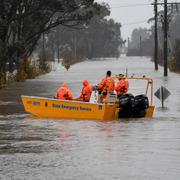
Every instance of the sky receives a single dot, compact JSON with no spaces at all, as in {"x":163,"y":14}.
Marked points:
{"x":131,"y":14}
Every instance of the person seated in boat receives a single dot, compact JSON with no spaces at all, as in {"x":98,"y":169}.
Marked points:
{"x":106,"y":86}
{"x":122,"y":86}
{"x":85,"y":92}
{"x":64,"y":93}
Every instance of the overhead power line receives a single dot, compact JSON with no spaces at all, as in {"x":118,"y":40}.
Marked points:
{"x":129,"y":5}
{"x":137,"y":22}
{"x":139,"y":5}
{"x":168,"y":3}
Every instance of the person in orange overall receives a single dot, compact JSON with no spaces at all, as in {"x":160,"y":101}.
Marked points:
{"x":85,"y":92}
{"x":64,"y":93}
{"x":122,"y":86}
{"x":107,"y":85}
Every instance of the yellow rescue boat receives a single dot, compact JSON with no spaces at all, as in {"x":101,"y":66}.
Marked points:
{"x":113,"y":108}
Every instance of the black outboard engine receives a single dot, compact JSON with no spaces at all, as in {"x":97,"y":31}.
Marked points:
{"x":126,"y":103}
{"x":133,"y":107}
{"x":141,"y":104}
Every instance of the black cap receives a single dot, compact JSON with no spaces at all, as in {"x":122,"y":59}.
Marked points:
{"x":108,"y":73}
{"x":121,"y":76}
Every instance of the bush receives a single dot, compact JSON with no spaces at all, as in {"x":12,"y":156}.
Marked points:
{"x":69,"y":59}
{"x":175,"y":59}
{"x":44,"y":62}
{"x":26,"y":70}
{"x":172,"y":64}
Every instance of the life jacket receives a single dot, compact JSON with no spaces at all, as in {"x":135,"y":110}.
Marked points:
{"x":64,"y":93}
{"x":122,"y":87}
{"x":107,"y":85}
{"x":86,"y":91}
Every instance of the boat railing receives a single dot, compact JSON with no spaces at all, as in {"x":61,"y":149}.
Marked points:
{"x":149,"y":86}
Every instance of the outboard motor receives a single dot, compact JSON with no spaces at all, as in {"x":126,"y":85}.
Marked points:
{"x":133,"y":107}
{"x":141,"y":103}
{"x":126,"y":103}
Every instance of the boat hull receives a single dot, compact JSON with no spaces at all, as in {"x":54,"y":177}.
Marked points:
{"x":63,"y":109}
{"x":53,"y":108}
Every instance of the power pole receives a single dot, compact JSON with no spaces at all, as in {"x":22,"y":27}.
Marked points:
{"x":155,"y":36}
{"x":165,"y":38}
{"x":75,"y":45}
{"x":140,"y":46}
{"x":165,"y":29}
{"x":128,"y":43}
{"x":43,"y":44}
{"x":58,"y":54}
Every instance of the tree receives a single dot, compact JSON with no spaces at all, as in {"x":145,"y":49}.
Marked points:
{"x":141,"y":43}
{"x":99,"y":38}
{"x":22,"y":22}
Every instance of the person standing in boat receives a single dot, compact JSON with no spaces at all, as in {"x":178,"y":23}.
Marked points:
{"x":64,"y":93}
{"x":122,"y":86}
{"x":106,"y":86}
{"x":85,"y":92}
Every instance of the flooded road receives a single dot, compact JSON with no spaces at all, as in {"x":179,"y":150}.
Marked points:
{"x":138,"y":149}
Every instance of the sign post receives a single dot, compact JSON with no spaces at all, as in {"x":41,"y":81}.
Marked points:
{"x":162,"y":94}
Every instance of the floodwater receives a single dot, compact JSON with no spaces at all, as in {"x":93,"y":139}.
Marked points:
{"x":134,"y":149}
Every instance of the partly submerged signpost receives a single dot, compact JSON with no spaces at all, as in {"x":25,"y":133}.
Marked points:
{"x":162,"y":94}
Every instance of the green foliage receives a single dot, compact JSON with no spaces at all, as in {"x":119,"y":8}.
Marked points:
{"x":44,"y":60}
{"x":31,"y":71}
{"x":2,"y":79}
{"x":69,"y":59}
{"x":26,"y":20}
{"x":3,"y":60}
{"x":21,"y":74}
{"x":23,"y":22}
{"x":172,"y":64}
{"x":103,"y":38}
{"x":175,"y":57}
{"x":26,"y":70}
{"x":99,"y":38}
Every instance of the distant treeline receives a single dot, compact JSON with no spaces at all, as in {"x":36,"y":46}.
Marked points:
{"x":141,"y":43}
{"x":99,"y":38}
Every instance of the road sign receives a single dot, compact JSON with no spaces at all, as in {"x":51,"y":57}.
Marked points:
{"x":162,"y":94}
